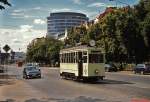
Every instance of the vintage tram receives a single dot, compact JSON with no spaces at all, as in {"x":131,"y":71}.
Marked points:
{"x":82,"y":63}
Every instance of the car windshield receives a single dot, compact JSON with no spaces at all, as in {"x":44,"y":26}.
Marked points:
{"x":29,"y":65}
{"x":31,"y":68}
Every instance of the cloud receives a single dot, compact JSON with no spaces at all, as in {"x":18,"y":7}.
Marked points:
{"x":16,"y":39}
{"x":17,"y":14}
{"x":20,"y":15}
{"x":24,"y":13}
{"x":88,"y":13}
{"x":18,"y":10}
{"x":26,"y":28}
{"x":37,"y":8}
{"x":77,"y":2}
{"x":61,"y":10}
{"x":97,"y":4}
{"x":39,"y":21}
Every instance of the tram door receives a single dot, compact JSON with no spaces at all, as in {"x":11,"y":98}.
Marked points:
{"x":80,"y":64}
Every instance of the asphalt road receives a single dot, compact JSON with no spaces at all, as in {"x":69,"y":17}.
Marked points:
{"x":116,"y":87}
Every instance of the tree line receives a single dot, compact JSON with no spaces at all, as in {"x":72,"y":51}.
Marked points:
{"x":123,"y":34}
{"x":44,"y":51}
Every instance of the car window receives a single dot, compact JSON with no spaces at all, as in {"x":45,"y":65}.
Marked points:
{"x":31,"y":68}
{"x":140,"y":66}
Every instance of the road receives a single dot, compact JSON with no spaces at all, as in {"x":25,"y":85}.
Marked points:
{"x":117,"y":87}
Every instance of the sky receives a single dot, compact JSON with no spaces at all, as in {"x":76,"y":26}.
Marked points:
{"x":25,"y":20}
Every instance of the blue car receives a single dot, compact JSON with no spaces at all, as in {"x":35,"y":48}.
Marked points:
{"x":31,"y":72}
{"x":142,"y":68}
{"x":110,"y":68}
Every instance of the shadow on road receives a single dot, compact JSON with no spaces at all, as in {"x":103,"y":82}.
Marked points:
{"x":77,"y":99}
{"x":106,"y":81}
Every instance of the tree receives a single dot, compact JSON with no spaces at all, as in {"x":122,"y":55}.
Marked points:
{"x":142,"y":12}
{"x":123,"y":33}
{"x":44,"y":50}
{"x":5,"y":2}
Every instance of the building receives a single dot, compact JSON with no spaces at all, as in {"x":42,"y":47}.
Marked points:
{"x":19,"y":56}
{"x":4,"y":57}
{"x":100,"y":16}
{"x":63,"y":36}
{"x":58,"y":22}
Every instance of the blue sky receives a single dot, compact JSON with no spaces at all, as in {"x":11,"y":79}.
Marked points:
{"x":26,"y":19}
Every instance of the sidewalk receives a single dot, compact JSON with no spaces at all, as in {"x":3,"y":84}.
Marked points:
{"x":7,"y":77}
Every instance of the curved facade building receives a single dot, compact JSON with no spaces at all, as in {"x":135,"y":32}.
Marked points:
{"x":58,"y":22}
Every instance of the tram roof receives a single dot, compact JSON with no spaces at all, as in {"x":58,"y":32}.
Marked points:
{"x":82,"y":47}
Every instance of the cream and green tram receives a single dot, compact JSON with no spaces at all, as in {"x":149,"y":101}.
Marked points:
{"x":82,"y":62}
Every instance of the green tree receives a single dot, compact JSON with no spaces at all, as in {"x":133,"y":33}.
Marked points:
{"x":44,"y":50}
{"x":142,"y":12}
{"x":3,"y":3}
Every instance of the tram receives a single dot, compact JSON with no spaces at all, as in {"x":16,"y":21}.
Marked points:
{"x":82,"y":63}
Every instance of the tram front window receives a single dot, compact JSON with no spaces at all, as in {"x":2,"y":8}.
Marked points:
{"x":96,"y":58}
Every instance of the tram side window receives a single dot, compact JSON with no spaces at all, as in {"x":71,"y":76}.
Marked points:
{"x":73,"y":57}
{"x":96,"y":58}
{"x":84,"y":59}
{"x":65,"y":58}
{"x":68,"y":58}
{"x":84,"y":56}
{"x":76,"y":57}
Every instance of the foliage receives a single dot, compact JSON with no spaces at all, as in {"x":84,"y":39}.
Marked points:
{"x":5,"y":2}
{"x":44,"y":50}
{"x":123,"y":34}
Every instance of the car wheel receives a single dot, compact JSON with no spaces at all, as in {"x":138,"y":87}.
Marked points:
{"x":26,"y":77}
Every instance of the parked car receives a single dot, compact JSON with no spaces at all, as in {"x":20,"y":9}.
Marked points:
{"x":31,"y":72}
{"x":110,"y":68}
{"x":142,"y":68}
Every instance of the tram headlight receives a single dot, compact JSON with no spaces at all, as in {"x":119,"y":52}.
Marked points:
{"x":96,"y":71}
